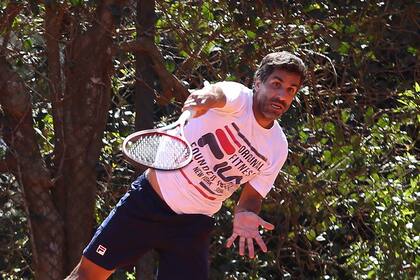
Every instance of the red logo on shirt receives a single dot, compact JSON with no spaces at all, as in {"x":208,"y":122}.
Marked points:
{"x":101,"y":250}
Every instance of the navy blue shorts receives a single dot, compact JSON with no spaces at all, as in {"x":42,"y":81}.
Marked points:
{"x":142,"y":221}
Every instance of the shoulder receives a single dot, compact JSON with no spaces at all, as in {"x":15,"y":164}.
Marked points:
{"x":238,"y":96}
{"x":233,"y":87}
{"x":280,"y":139}
{"x":278,"y":131}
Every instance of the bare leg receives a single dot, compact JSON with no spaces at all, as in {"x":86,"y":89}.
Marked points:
{"x":87,"y":270}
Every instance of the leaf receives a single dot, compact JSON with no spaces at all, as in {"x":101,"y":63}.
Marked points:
{"x":383,"y":122}
{"x":205,"y":10}
{"x":27,"y":44}
{"x":329,"y":127}
{"x":311,"y":234}
{"x":303,"y":136}
{"x":75,"y":2}
{"x":417,"y":87}
{"x":412,"y":50}
{"x":351,"y":28}
{"x":345,"y":115}
{"x":344,"y":48}
{"x":369,"y":113}
{"x":170,"y":64}
{"x":327,"y":156}
{"x":210,"y":47}
{"x":311,"y":7}
{"x":251,"y":34}
{"x":184,"y":54}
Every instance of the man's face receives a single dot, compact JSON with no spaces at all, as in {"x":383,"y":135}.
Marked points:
{"x":273,"y":97}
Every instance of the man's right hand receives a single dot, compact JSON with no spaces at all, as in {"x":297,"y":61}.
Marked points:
{"x":202,"y":100}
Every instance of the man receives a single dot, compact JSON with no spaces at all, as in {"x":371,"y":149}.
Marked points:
{"x":235,"y":140}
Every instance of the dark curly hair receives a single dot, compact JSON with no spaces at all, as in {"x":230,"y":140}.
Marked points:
{"x":280,"y":60}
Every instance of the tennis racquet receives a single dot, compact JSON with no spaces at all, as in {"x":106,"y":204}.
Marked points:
{"x":164,"y":148}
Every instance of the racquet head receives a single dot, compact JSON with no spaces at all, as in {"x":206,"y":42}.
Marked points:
{"x":164,"y":148}
{"x":157,"y":150}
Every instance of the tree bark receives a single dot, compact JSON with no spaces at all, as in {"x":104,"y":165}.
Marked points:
{"x":60,"y":202}
{"x":27,"y":165}
{"x":171,"y":86}
{"x":146,"y":78}
{"x":62,"y":224}
{"x":54,"y":14}
{"x":85,"y":103}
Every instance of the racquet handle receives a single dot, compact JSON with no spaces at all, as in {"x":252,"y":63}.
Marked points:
{"x":186,"y":115}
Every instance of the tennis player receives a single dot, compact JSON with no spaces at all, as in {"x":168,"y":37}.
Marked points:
{"x":236,"y":141}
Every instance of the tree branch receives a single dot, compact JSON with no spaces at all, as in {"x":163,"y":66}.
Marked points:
{"x":171,"y":86}
{"x":11,"y":11}
{"x":3,"y":166}
{"x":18,"y":130}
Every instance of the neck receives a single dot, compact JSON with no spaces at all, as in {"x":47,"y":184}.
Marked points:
{"x":259,"y":117}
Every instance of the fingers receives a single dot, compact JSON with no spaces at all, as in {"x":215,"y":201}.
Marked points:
{"x":246,"y":228}
{"x":266,"y":225}
{"x":192,"y":103}
{"x":261,"y":244}
{"x":231,"y":239}
{"x":201,"y":100}
{"x":196,"y":104}
{"x":241,"y":246}
{"x":242,"y":240}
{"x":195,"y":100}
{"x":247,"y":241}
{"x":250,"y":244}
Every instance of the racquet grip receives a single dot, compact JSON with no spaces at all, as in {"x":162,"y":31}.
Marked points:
{"x":186,"y":115}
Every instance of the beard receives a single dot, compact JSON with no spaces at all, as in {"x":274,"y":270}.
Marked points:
{"x":276,"y":111}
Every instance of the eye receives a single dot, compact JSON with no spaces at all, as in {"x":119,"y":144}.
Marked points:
{"x":291,"y":91}
{"x":276,"y":84}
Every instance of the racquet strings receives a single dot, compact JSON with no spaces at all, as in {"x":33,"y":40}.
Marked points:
{"x":159,"y":151}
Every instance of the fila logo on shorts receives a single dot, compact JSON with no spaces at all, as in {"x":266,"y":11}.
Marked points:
{"x":101,"y":250}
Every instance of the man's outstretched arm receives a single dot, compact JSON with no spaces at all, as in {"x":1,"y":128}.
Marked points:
{"x":246,"y":222}
{"x":202,"y":100}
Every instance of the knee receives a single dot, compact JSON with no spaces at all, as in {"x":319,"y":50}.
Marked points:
{"x":80,"y":272}
{"x":87,"y":270}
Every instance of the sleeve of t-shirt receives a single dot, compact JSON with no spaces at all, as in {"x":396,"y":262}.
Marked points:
{"x":264,"y":181}
{"x":237,"y":95}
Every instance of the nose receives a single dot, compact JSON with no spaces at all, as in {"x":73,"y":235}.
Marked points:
{"x":281,"y":93}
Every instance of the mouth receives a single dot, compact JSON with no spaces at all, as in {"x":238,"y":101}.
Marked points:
{"x":277,"y":106}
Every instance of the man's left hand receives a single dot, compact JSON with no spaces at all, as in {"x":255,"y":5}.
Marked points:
{"x":245,"y":226}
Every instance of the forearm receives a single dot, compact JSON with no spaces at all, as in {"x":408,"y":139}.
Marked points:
{"x":202,"y":100}
{"x":250,"y":200}
{"x":252,"y":205}
{"x":216,"y":94}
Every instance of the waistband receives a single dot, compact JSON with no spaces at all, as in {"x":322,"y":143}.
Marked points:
{"x":142,"y":182}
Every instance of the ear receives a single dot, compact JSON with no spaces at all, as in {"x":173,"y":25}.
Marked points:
{"x":257,"y":84}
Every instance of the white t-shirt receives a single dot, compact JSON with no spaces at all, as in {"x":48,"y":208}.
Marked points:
{"x":229,"y":148}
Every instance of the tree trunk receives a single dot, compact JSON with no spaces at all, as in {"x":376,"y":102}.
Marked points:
{"x":85,"y":110}
{"x":146,"y":78}
{"x":62,"y":224}
{"x":144,"y":99}
{"x":27,"y":165}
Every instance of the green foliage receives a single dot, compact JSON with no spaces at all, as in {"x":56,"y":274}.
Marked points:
{"x":357,"y":195}
{"x":345,"y":203}
{"x":15,"y":247}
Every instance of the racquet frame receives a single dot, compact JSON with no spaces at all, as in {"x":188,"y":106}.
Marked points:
{"x":182,"y":120}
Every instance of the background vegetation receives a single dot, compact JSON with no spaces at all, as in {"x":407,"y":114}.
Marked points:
{"x":75,"y":74}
